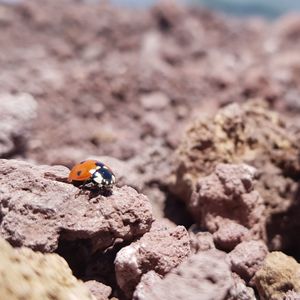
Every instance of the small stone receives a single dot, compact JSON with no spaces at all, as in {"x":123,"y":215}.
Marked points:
{"x":278,"y":275}
{"x":247,"y":257}
{"x":161,"y":249}
{"x":205,"y":275}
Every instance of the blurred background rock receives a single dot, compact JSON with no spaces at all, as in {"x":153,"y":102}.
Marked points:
{"x":267,"y":8}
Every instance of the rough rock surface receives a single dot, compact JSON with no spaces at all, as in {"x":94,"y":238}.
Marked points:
{"x":32,"y":275}
{"x":161,"y":249}
{"x":226,"y":204}
{"x":16,"y":115}
{"x":239,"y":290}
{"x":201,"y":240}
{"x":99,"y":290}
{"x":247,"y":257}
{"x":291,"y":295}
{"x":206,"y":274}
{"x":230,"y":234}
{"x":279,"y":274}
{"x":248,"y":133}
{"x":38,"y":208}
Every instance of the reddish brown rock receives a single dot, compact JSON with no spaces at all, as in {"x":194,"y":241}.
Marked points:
{"x":230,"y":234}
{"x":99,"y":290}
{"x":200,"y":240}
{"x":147,"y":283}
{"x":16,"y":115}
{"x":38,"y":209}
{"x":206,"y":274}
{"x":161,"y":249}
{"x":247,"y":258}
{"x":247,"y":133}
{"x":227,"y":205}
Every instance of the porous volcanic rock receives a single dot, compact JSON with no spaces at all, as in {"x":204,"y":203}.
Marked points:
{"x":279,"y":274}
{"x":239,"y":290}
{"x":99,"y":290}
{"x":201,"y":240}
{"x":205,"y":273}
{"x":32,"y":275}
{"x":291,"y":295}
{"x":161,"y":249}
{"x":38,"y":208}
{"x":226,"y":204}
{"x":16,"y":115}
{"x":247,"y":257}
{"x":229,"y":234}
{"x":241,"y":133}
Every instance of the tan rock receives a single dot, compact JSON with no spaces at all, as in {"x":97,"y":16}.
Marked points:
{"x":279,"y":274}
{"x":34,"y":276}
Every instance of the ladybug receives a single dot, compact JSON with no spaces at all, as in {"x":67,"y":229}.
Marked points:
{"x":92,"y":174}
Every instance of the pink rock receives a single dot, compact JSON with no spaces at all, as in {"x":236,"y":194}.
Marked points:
{"x":247,"y":257}
{"x":239,"y":290}
{"x":38,"y":208}
{"x":229,"y":235}
{"x":16,"y":115}
{"x":227,"y":197}
{"x":292,"y":295}
{"x":99,"y":290}
{"x":204,"y":276}
{"x":155,"y":101}
{"x":200,"y":240}
{"x":147,"y":283}
{"x":161,"y":249}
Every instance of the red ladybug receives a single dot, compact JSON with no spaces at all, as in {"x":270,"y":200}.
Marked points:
{"x":92,"y":174}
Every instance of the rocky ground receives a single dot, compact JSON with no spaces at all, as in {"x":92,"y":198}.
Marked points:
{"x":198,"y":116}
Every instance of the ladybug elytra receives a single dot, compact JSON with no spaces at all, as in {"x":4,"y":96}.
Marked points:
{"x":92,"y":174}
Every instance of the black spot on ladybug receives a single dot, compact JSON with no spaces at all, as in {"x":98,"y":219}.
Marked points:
{"x":79,"y":173}
{"x":82,"y":162}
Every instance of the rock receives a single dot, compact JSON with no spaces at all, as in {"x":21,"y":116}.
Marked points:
{"x":205,"y":273}
{"x":200,"y":240}
{"x":239,"y":290}
{"x":99,"y":290}
{"x":38,"y":209}
{"x":230,"y":234}
{"x":32,"y":275}
{"x":242,"y":133}
{"x":228,"y":206}
{"x":155,"y":101}
{"x":147,"y":283}
{"x":291,"y":295}
{"x":279,"y":274}
{"x":16,"y":115}
{"x":247,"y":257}
{"x":161,"y":249}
